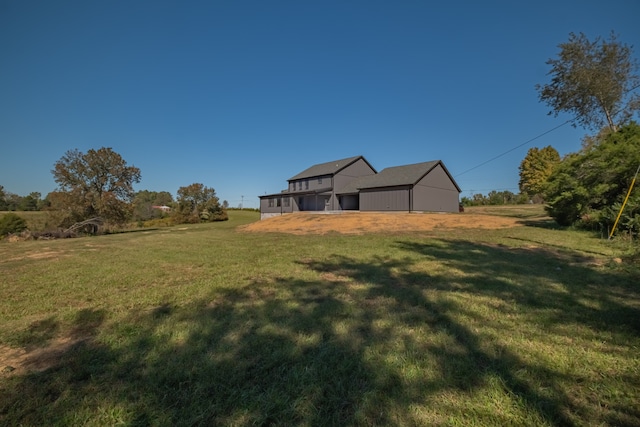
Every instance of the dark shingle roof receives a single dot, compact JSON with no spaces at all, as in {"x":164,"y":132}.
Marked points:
{"x":352,"y":186}
{"x":328,"y":168}
{"x":398,"y":175}
{"x":392,"y":177}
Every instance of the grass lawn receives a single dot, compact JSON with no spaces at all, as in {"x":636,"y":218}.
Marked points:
{"x":209,"y":325}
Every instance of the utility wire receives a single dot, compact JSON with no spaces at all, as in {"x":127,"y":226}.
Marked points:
{"x":533,"y":139}
{"x":515,"y":148}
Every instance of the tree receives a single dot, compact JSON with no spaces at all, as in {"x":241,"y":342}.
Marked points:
{"x":146,"y":204}
{"x":588,"y":188}
{"x":479,"y":199}
{"x":535,"y":168}
{"x":3,"y":202}
{"x":32,"y":202}
{"x":11,"y":223}
{"x":593,"y":81}
{"x":199,"y":203}
{"x":11,"y":201}
{"x":96,"y":184}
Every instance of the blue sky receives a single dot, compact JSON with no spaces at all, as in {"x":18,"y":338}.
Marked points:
{"x":242,"y":95}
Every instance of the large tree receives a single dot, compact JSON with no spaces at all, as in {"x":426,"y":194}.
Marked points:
{"x":98,"y":183}
{"x":536,"y":167}
{"x":199,"y":203}
{"x":594,"y":81}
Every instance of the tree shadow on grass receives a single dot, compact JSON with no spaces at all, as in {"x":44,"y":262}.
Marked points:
{"x":266,"y":354}
{"x":364,"y":343}
{"x":579,"y":293}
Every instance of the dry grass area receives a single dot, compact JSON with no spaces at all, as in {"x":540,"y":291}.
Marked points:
{"x":372,"y":222}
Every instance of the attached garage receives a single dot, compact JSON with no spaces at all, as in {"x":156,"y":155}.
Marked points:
{"x":421,"y":187}
{"x":385,"y":199}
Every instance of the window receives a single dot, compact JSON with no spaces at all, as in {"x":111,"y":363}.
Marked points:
{"x":320,"y":180}
{"x":285,"y":202}
{"x":306,"y":184}
{"x":278,"y":202}
{"x":270,"y":203}
{"x":299,"y":185}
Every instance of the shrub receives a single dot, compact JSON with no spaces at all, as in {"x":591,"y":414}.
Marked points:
{"x":11,"y":223}
{"x":588,"y":188}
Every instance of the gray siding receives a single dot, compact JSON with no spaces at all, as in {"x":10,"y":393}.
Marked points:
{"x":313,"y":202}
{"x":348,"y":174}
{"x":385,"y":199}
{"x":278,"y":204}
{"x":325,"y":183}
{"x":310,"y":184}
{"x":435,"y":193}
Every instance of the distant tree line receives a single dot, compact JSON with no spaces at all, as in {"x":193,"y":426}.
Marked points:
{"x":494,"y":198}
{"x":13,"y":202}
{"x":98,"y":185}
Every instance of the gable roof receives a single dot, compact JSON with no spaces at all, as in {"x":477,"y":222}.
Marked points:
{"x":328,"y":168}
{"x":395,"y":176}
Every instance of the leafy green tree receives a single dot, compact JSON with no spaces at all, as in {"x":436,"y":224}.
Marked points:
{"x":199,"y":203}
{"x":11,"y":223}
{"x":98,"y":183}
{"x":479,"y":199}
{"x":586,"y":187}
{"x":536,"y":167}
{"x":12,"y":201}
{"x":146,"y":202}
{"x":593,"y":80}
{"x":163,"y":198}
{"x":31,"y":202}
{"x":3,"y":202}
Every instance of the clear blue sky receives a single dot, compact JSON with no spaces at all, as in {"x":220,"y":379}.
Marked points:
{"x":242,"y":95}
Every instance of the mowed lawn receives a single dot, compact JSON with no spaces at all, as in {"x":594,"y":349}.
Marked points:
{"x":210,"y":325}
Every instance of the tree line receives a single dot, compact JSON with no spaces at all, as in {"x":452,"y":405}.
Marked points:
{"x":98,"y":185}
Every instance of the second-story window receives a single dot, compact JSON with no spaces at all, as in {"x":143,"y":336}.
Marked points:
{"x":320,"y":180}
{"x":299,"y":185}
{"x":306,"y":184}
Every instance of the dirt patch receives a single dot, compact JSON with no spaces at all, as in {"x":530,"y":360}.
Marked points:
{"x":361,"y":222}
{"x":17,"y":361}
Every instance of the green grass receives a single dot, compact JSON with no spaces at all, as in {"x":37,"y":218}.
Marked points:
{"x":208,"y":325}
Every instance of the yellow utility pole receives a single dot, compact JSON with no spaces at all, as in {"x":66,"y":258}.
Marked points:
{"x":624,"y":203}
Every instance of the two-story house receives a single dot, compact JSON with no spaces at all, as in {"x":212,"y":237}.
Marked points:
{"x":353,"y":184}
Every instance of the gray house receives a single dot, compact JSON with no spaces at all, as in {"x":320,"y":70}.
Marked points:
{"x":353,"y":184}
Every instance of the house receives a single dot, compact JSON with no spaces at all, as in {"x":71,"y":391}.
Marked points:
{"x":353,"y":184}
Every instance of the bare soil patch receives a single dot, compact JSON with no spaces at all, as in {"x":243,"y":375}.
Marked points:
{"x":18,"y":361}
{"x":377,"y":222}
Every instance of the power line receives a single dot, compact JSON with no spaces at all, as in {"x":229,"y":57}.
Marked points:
{"x":515,"y":148}
{"x":533,"y":139}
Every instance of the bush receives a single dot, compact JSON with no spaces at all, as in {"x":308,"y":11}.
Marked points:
{"x":11,"y":223}
{"x":587,"y":189}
